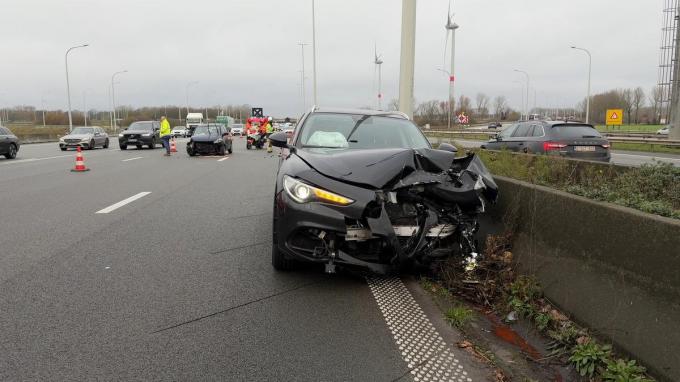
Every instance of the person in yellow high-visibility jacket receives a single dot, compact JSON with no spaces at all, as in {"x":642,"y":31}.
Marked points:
{"x":270,"y":130}
{"x":165,"y":134}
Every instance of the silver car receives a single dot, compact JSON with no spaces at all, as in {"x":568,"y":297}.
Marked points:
{"x":664,"y":131}
{"x":84,"y":137}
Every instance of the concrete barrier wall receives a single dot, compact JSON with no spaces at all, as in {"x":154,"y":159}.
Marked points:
{"x":614,"y":269}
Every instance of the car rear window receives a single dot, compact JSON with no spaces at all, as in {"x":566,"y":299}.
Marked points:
{"x":575,"y":131}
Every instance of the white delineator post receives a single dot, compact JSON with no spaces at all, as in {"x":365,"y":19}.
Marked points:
{"x":408,"y":56}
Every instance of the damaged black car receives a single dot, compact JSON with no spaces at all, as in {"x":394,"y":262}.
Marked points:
{"x":365,"y":190}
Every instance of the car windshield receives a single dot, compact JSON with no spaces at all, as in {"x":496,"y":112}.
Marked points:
{"x":83,"y":130}
{"x":356,"y":131}
{"x":205,"y":130}
{"x":193,"y":120}
{"x":146,"y":126}
{"x":575,"y":131}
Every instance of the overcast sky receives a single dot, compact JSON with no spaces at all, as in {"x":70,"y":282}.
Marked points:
{"x":245,"y":51}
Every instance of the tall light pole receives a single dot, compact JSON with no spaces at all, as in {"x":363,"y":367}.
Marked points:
{"x":68,"y":84}
{"x":187,"y":93}
{"x":590,"y":65}
{"x":316,"y":101}
{"x":526,"y":109}
{"x":408,"y":56}
{"x":378,"y":61}
{"x":451,"y":28}
{"x":42,"y":102}
{"x":304,"y":87}
{"x":113,"y":97}
{"x":521,"y":94}
{"x":448,"y":104}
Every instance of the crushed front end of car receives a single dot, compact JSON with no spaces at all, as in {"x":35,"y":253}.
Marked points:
{"x":384,"y":212}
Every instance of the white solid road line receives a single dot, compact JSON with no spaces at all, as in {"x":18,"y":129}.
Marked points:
{"x":223,"y":159}
{"x":116,"y":206}
{"x":646,"y":156}
{"x":38,"y":159}
{"x":127,"y":160}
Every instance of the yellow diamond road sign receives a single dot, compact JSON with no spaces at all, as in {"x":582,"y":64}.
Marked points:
{"x":614,"y":116}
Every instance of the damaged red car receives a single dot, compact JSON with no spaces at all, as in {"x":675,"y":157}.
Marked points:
{"x":365,"y":190}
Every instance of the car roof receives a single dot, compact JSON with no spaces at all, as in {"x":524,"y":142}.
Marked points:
{"x":557,"y":123}
{"x":395,"y":114}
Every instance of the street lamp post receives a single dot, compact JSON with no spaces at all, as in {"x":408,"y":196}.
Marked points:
{"x":408,"y":56}
{"x":68,"y":85}
{"x":590,"y":65}
{"x":314,"y":50}
{"x":187,"y":93}
{"x":526,"y":109}
{"x":304,"y":91}
{"x":113,"y":97}
{"x":448,"y":104}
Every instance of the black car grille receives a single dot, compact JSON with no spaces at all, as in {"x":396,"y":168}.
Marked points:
{"x":72,"y":140}
{"x":133,"y":136}
{"x":204,"y":147}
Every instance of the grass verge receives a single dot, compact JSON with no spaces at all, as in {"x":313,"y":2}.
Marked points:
{"x":646,"y":147}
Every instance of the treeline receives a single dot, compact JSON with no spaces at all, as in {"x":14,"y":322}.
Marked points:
{"x":482,"y":108}
{"x":125,"y":115}
{"x":638,"y":106}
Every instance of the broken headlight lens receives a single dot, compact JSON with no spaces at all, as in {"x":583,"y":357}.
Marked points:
{"x":304,"y":193}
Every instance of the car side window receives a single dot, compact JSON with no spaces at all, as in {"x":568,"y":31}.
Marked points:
{"x":522,"y":131}
{"x":3,"y":131}
{"x":538,"y":131}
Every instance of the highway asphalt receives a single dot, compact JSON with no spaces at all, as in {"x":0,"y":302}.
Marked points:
{"x":625,"y":158}
{"x":174,"y":285}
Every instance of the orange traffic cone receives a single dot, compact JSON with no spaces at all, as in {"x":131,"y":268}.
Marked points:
{"x":80,"y":163}
{"x":173,"y":148}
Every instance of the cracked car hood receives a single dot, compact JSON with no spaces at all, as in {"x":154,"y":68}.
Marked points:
{"x":377,"y":168}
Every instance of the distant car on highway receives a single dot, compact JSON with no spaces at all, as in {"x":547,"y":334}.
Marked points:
{"x":139,"y":134}
{"x":85,"y":138}
{"x":566,"y":139}
{"x":9,"y":143}
{"x":211,"y":138}
{"x":179,"y":131}
{"x":495,"y":125}
{"x":664,"y":131}
{"x":237,"y":129}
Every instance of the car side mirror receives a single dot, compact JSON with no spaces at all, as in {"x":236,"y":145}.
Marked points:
{"x":448,"y":147}
{"x":279,"y":139}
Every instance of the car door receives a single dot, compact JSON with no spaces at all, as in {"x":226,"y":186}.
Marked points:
{"x":98,"y":139}
{"x":535,"y":141}
{"x":4,"y":140}
{"x":517,"y":142}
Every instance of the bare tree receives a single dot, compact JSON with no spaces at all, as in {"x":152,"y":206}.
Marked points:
{"x":626,"y":98}
{"x":464,"y":104}
{"x":500,"y":105}
{"x":482,"y":104}
{"x":637,"y":101}
{"x":393,"y":105}
{"x":655,"y":98}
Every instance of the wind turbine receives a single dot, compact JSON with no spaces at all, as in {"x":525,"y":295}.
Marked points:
{"x":450,"y":29}
{"x":378,"y":65}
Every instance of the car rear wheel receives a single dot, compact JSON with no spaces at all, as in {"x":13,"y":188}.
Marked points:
{"x":12,"y":152}
{"x":123,"y":147}
{"x":139,"y":147}
{"x":106,"y":143}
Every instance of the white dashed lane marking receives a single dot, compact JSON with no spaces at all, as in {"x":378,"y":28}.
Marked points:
{"x":131,"y":159}
{"x":421,"y":346}
{"x":223,"y":159}
{"x":129,"y":200}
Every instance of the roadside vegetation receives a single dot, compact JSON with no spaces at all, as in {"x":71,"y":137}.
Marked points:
{"x":646,"y":147}
{"x":653,"y":189}
{"x":649,"y":129}
{"x":495,"y":285}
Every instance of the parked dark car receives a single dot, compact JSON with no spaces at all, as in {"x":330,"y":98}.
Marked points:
{"x":495,"y":125}
{"x":84,"y":137}
{"x":9,"y":143}
{"x":364,"y":189}
{"x":139,"y":134}
{"x":211,"y":138}
{"x":566,"y":139}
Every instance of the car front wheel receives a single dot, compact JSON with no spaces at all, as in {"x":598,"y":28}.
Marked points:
{"x":123,"y":147}
{"x":279,"y":260}
{"x":12,"y":152}
{"x":91,"y":145}
{"x":106,"y":143}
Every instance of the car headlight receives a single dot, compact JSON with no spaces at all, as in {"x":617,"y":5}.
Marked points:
{"x":120,"y":135}
{"x":61,"y":140}
{"x":146,"y":135}
{"x":85,"y":140}
{"x":304,"y":193}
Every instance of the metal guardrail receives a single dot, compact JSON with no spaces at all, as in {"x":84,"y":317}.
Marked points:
{"x":620,"y":138}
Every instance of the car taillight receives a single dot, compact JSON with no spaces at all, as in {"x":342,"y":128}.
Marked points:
{"x":549,"y":146}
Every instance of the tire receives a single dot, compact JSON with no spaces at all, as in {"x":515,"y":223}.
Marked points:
{"x":91,"y":145}
{"x":249,"y":146}
{"x":12,"y":153}
{"x":190,"y":152}
{"x":221,"y":150}
{"x":279,"y":260}
{"x":123,"y":147}
{"x":139,"y":147}
{"x":63,"y":148}
{"x":106,"y":143}
{"x":152,"y":145}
